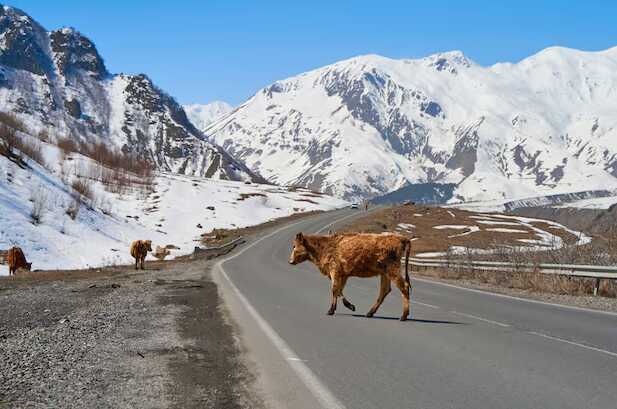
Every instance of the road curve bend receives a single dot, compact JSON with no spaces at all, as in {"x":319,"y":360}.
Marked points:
{"x":461,"y":349}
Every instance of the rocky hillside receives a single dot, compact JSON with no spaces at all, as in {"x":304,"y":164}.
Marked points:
{"x":56,"y":81}
{"x":371,"y":125}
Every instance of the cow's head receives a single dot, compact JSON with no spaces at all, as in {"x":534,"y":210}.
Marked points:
{"x":299,"y":253}
{"x":28,"y":266}
{"x":148,"y":245}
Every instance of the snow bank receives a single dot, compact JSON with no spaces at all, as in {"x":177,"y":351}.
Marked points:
{"x":177,"y":212}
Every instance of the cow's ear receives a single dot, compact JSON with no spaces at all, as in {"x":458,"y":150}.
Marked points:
{"x":300,"y":237}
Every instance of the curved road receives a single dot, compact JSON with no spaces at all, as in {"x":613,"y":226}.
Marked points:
{"x":461,"y":349}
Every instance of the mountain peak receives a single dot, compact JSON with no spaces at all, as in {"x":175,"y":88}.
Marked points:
{"x":22,"y":42}
{"x":202,"y":115}
{"x":449,"y":61}
{"x":75,"y":52}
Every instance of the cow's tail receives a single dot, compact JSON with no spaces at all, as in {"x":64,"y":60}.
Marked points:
{"x":407,"y":246}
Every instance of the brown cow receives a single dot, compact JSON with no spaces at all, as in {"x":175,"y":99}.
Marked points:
{"x":357,"y":255}
{"x":161,"y":252}
{"x":16,"y":260}
{"x":139,"y":251}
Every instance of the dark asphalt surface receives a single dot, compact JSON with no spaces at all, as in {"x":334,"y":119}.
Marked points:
{"x":461,"y":349}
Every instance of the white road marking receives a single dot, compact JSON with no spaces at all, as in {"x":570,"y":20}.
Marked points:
{"x":334,"y":222}
{"x":569,"y":307}
{"x":321,"y":392}
{"x":501,"y":324}
{"x":425,"y":304}
{"x":604,"y":351}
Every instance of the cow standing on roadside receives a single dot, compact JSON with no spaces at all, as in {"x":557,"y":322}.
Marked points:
{"x":341,"y":256}
{"x":139,"y":251}
{"x":15,"y":259}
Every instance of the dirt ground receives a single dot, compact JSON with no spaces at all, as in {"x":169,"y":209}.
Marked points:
{"x":420,"y":222}
{"x":120,"y":338}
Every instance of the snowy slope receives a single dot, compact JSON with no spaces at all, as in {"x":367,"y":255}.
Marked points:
{"x":370,"y":125}
{"x":169,"y":214}
{"x":56,"y":81}
{"x":202,"y":115}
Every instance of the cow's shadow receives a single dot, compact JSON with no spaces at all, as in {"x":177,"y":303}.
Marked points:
{"x":410,"y":319}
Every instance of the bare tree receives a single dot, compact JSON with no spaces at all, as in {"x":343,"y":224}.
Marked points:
{"x":39,"y":199}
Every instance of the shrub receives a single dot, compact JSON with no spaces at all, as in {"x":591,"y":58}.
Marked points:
{"x":119,"y":171}
{"x":8,"y":140}
{"x":83,"y":187}
{"x":73,"y":209}
{"x":68,"y":145}
{"x":39,"y":198}
{"x":12,"y":121}
{"x":33,"y":149}
{"x":44,"y":135}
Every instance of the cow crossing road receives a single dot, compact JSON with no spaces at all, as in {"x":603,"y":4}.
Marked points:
{"x":460,"y":349}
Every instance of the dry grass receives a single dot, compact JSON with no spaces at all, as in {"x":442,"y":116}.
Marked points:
{"x":429,"y":239}
{"x":534,"y":281}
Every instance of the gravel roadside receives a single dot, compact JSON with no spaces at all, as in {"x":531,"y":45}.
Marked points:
{"x":120,"y":338}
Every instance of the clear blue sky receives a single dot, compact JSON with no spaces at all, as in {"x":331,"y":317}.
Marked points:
{"x":200,"y":51}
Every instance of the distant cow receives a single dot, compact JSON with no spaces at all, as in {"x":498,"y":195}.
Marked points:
{"x":16,"y":260}
{"x":161,"y":252}
{"x":357,"y":255}
{"x":139,"y":251}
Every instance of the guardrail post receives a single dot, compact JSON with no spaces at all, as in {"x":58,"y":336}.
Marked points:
{"x":596,"y":286}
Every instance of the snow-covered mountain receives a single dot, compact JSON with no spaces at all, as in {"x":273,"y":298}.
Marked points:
{"x":371,"y":125}
{"x":56,"y":81}
{"x":202,"y":115}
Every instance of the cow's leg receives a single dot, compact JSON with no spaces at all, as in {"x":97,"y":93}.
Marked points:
{"x":404,"y":288}
{"x":384,"y":290}
{"x":338,"y":283}
{"x":143,"y":261}
{"x":136,"y":262}
{"x":348,"y":304}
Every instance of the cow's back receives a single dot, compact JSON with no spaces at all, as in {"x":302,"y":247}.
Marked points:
{"x":369,"y":251}
{"x":136,"y":248}
{"x":15,"y":258}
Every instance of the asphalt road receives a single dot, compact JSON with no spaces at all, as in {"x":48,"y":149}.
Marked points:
{"x":461,"y":349}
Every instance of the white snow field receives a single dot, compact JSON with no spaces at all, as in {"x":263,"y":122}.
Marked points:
{"x":170,"y":214}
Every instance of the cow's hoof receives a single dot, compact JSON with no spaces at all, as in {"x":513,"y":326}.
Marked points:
{"x":349,"y":305}
{"x":403,"y":318}
{"x":370,"y":314}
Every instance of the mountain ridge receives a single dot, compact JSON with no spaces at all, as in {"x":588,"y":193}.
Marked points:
{"x":57,"y":82}
{"x":369,"y":125}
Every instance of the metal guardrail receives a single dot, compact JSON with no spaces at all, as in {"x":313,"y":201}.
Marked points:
{"x":222,"y":249}
{"x":571,"y":270}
